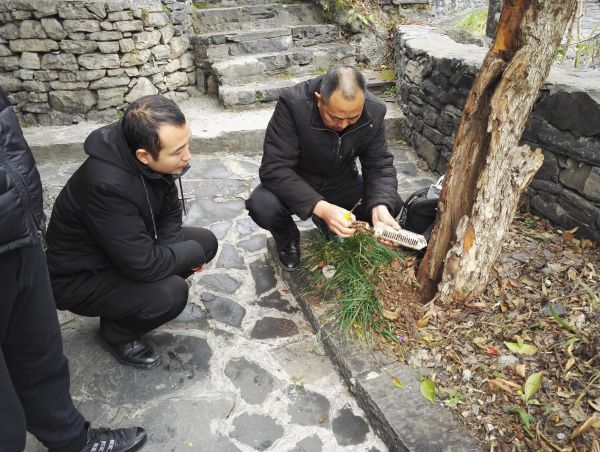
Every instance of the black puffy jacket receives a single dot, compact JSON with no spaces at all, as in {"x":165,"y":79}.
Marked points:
{"x":22,"y":217}
{"x":302,"y":157}
{"x":114,"y":212}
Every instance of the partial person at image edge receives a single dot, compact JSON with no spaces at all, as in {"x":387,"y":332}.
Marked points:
{"x":34,"y":373}
{"x":117,"y":248}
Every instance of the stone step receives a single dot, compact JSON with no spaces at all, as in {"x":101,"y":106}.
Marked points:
{"x":213,"y":130}
{"x":262,"y":92}
{"x":224,"y":3}
{"x":292,"y":62}
{"x":210,"y":47}
{"x":256,"y":17}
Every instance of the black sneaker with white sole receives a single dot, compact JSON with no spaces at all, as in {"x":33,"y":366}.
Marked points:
{"x":114,"y":440}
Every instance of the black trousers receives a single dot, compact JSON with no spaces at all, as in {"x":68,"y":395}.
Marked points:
{"x":128,"y":308}
{"x":34,"y":374}
{"x":269,"y":212}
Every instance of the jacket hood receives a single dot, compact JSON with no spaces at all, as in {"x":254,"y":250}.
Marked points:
{"x":108,"y":144}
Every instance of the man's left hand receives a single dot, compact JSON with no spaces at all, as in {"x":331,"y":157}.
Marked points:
{"x":381,"y":213}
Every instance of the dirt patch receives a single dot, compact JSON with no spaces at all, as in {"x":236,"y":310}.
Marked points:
{"x":520,"y":365}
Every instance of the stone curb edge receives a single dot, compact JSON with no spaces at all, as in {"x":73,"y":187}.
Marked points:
{"x":67,"y":147}
{"x":403,"y":418}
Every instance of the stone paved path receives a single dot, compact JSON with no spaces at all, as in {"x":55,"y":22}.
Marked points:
{"x":242,"y":370}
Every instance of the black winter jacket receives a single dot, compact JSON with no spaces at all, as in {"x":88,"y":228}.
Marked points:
{"x":22,"y":219}
{"x":116,"y":212}
{"x":302,"y":157}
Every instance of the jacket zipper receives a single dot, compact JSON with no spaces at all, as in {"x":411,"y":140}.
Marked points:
{"x":339,"y":146}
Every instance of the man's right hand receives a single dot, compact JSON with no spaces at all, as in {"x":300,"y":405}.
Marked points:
{"x":334,"y":216}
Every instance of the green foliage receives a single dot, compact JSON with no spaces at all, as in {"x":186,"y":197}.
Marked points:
{"x":530,"y":222}
{"x":355,"y":17}
{"x":259,"y":97}
{"x":474,"y":23}
{"x":350,"y":291}
{"x":585,"y":50}
{"x":145,"y":15}
{"x":391,"y":91}
{"x":455,"y":397}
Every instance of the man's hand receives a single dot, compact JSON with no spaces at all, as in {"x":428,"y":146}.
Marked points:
{"x":199,"y":269}
{"x":334,"y":217}
{"x":381,"y":213}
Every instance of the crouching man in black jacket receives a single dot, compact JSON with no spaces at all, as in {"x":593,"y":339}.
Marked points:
{"x":116,"y":245}
{"x":308,"y":167}
{"x":34,"y":373}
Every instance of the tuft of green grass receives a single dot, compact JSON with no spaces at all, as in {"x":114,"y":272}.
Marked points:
{"x":350,"y":292}
{"x":474,"y":23}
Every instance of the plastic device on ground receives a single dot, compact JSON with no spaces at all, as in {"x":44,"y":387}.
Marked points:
{"x":402,"y":237}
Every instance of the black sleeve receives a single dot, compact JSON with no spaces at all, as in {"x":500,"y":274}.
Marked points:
{"x":280,"y":158}
{"x":379,"y":173}
{"x":116,"y":225}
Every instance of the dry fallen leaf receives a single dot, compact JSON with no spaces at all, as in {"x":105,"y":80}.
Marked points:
{"x":505,"y":385}
{"x":584,"y":427}
{"x":390,"y":315}
{"x":569,"y":364}
{"x":422,"y":322}
{"x":520,"y":370}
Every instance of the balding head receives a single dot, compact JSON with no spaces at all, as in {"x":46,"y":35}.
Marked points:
{"x":342,"y":97}
{"x":347,"y":80}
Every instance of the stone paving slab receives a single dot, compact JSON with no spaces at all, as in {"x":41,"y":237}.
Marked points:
{"x":403,"y":418}
{"x":241,"y":368}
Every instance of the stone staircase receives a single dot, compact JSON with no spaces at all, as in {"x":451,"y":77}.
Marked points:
{"x":247,"y":52}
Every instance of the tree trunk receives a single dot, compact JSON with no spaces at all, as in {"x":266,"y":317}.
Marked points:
{"x":488,"y":171}
{"x":494,"y":7}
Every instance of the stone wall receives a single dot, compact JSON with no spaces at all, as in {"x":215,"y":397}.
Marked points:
{"x":436,"y":7}
{"x":64,"y":61}
{"x":439,"y":7}
{"x":435,"y":75}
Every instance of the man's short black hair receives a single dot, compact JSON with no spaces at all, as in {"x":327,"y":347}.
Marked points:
{"x":347,"y":79}
{"x":143,"y":118}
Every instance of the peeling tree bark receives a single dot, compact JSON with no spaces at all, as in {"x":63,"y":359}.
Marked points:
{"x":488,"y":171}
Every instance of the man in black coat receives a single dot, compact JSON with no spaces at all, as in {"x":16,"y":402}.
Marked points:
{"x":34,"y":373}
{"x":116,"y":245}
{"x":318,"y":129}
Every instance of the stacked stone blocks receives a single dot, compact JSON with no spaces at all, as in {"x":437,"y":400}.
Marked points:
{"x":63,"y":61}
{"x":246,"y":53}
{"x":435,"y":76}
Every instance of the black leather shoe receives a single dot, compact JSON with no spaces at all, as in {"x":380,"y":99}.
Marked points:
{"x":289,"y":254}
{"x":136,"y":353}
{"x":114,"y":440}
